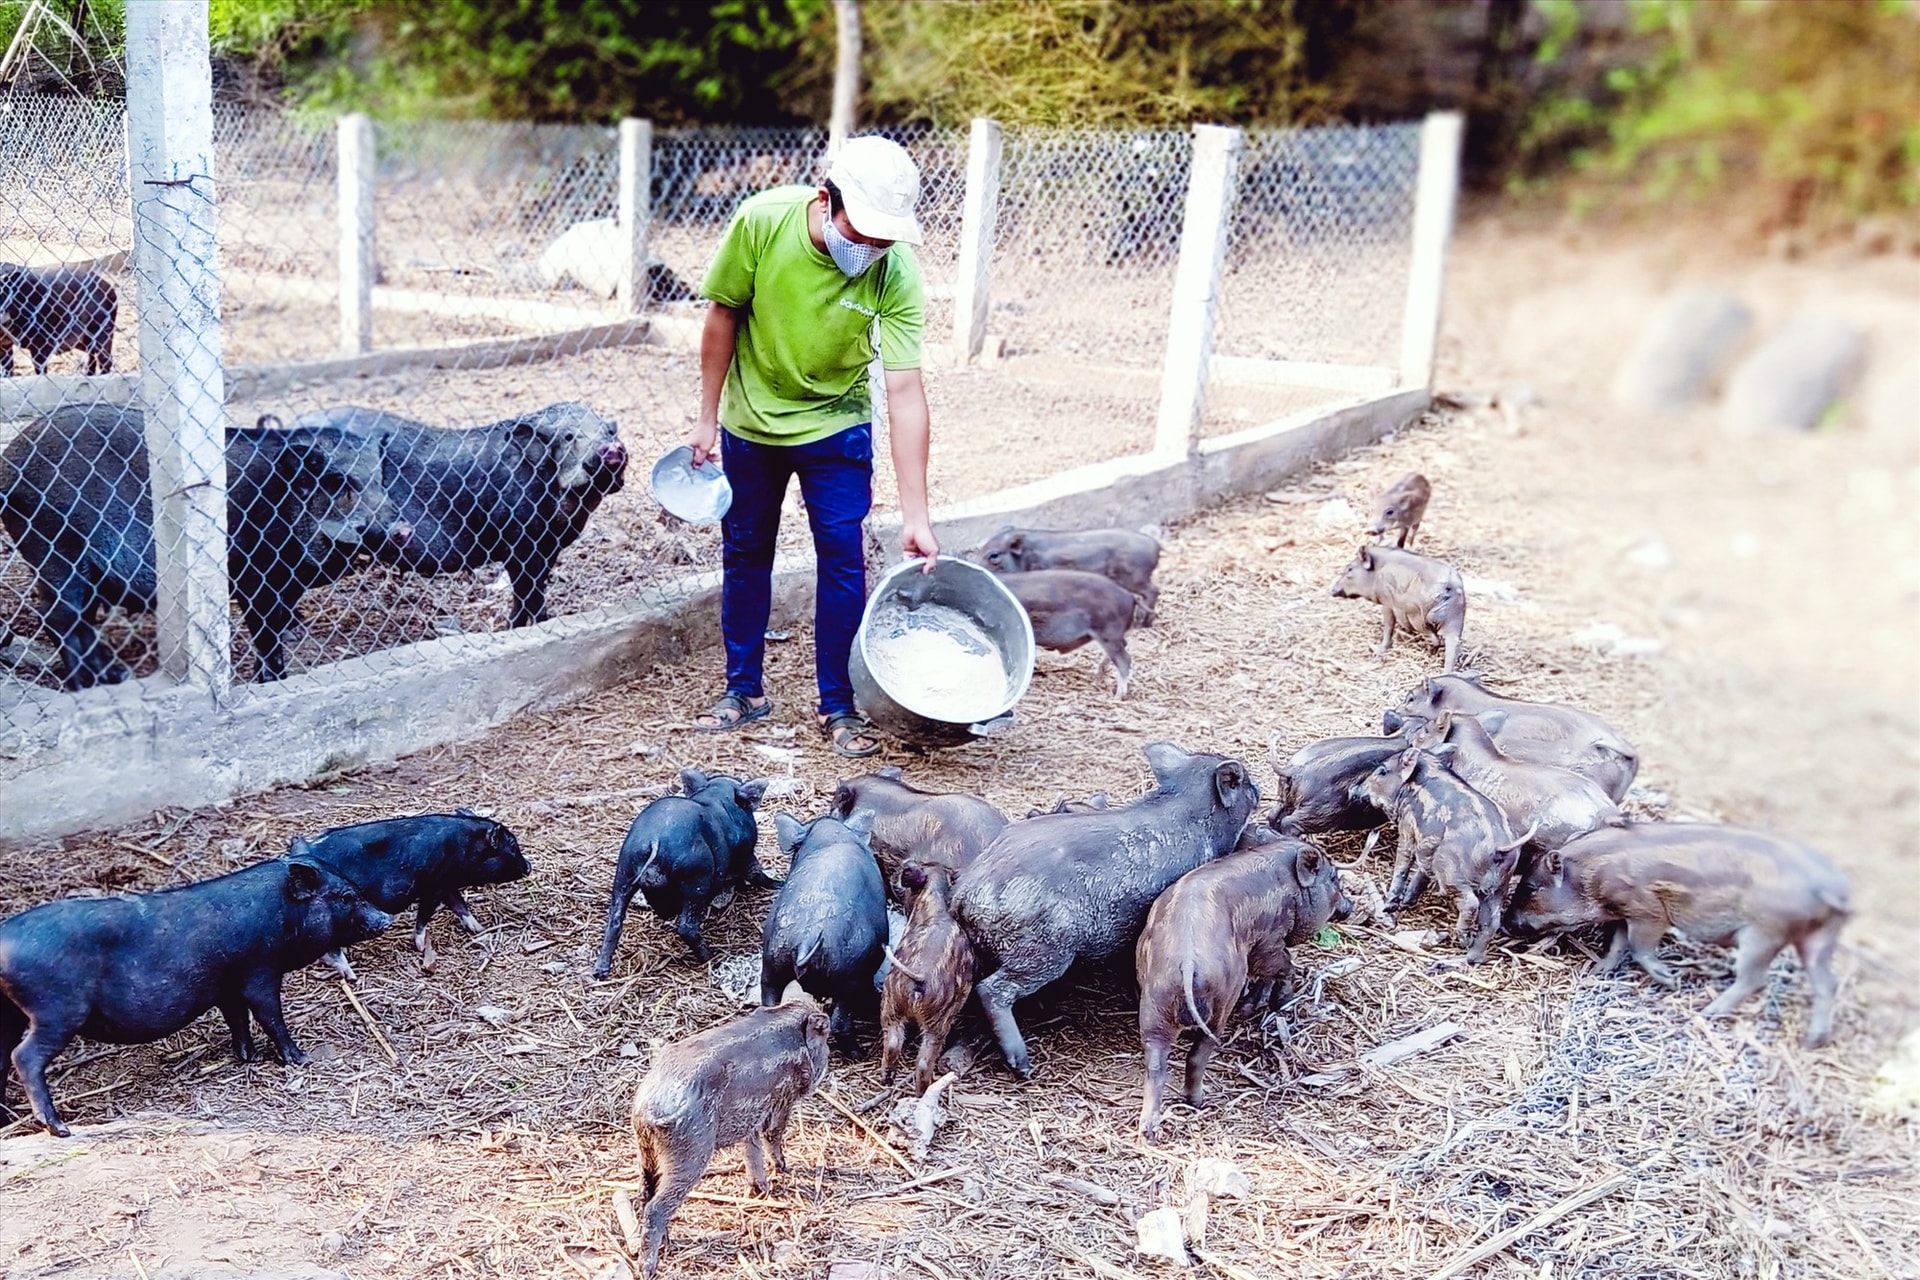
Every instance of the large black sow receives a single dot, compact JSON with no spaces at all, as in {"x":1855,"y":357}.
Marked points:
{"x":75,"y":498}
{"x":516,"y":492}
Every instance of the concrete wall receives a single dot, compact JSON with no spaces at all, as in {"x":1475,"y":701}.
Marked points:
{"x":109,"y":755}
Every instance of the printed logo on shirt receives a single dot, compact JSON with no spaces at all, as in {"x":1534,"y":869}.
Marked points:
{"x":851,"y":305}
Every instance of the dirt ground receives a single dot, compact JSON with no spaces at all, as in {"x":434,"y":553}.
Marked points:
{"x":1743,"y":606}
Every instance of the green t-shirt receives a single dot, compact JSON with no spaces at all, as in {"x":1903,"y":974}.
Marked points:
{"x":805,"y":335}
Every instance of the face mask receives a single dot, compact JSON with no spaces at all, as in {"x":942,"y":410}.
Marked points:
{"x":850,"y":256}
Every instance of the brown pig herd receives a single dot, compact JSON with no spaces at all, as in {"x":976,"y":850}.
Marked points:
{"x":1511,"y":808}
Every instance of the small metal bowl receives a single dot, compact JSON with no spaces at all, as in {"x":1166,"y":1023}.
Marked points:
{"x":698,"y":496}
{"x":941,"y":657}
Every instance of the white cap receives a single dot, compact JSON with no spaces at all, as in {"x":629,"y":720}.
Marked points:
{"x":879,"y":184}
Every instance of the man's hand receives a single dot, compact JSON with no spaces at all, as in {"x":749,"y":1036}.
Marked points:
{"x":909,"y":435}
{"x":916,"y":539}
{"x":702,"y":440}
{"x":717,"y":340}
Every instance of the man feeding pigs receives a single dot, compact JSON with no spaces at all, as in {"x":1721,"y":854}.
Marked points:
{"x":806,"y":285}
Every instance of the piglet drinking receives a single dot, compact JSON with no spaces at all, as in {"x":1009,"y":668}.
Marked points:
{"x":1709,"y":882}
{"x":1077,"y":886}
{"x":828,"y":926}
{"x":935,"y":829}
{"x":1221,"y":927}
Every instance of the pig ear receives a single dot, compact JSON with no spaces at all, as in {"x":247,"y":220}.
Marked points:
{"x":1365,"y":558}
{"x":1229,"y":780}
{"x":754,"y":791}
{"x":892,"y":771}
{"x":860,"y":822}
{"x":303,"y":881}
{"x":1165,"y":759}
{"x":1098,"y":800}
{"x":1444,"y":752}
{"x":1017,"y":543}
{"x":1443,"y":721}
{"x":299,"y":848}
{"x":1306,"y":867}
{"x":691,"y":780}
{"x":1549,"y":863}
{"x":788,"y":831}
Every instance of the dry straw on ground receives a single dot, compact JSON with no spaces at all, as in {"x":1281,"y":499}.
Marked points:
{"x":1575,"y":1127}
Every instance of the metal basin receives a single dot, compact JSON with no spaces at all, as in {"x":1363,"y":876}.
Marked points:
{"x":700,"y":495}
{"x":941,"y":657}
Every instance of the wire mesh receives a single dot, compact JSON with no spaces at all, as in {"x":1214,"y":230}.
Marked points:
{"x":482,"y":467}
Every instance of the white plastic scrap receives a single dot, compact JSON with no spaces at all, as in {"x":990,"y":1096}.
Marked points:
{"x":1215,"y":1177}
{"x":1163,"y":1235}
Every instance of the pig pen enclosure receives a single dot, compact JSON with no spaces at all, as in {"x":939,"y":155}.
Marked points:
{"x":473,"y":1120}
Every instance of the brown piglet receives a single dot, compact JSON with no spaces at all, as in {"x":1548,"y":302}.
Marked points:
{"x":1422,"y":596}
{"x":737,"y":1082}
{"x":1706,"y":881}
{"x":931,"y":976}
{"x":1401,"y":506}
{"x":1222,"y":929}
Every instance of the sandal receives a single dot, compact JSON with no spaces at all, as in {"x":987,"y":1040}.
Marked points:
{"x":730,"y":712}
{"x":842,"y":730}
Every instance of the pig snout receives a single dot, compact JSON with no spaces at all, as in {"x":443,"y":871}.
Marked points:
{"x":613,"y":455}
{"x":399,"y":534}
{"x":1392,"y":722}
{"x":368,"y":922}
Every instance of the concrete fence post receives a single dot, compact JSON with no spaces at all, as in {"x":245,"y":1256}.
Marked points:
{"x":1434,"y":193}
{"x":636,"y":211}
{"x":973,"y":282}
{"x":846,"y":72}
{"x":355,"y":162}
{"x":181,"y":387}
{"x":1196,"y":287}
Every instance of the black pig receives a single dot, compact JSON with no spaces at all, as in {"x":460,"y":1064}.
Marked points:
{"x":737,"y":1082}
{"x":428,"y":860}
{"x":516,"y":492}
{"x":944,"y":829}
{"x":134,"y":968}
{"x":682,"y":853}
{"x":1316,"y":784}
{"x":1710,"y":882}
{"x":48,"y":310}
{"x":828,"y":926}
{"x":1220,"y":927}
{"x":75,"y":498}
{"x":1077,"y":886}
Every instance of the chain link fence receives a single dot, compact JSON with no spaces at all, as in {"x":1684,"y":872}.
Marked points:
{"x":481,"y":463}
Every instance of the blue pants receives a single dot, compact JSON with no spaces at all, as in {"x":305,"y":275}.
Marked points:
{"x":836,"y":480}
